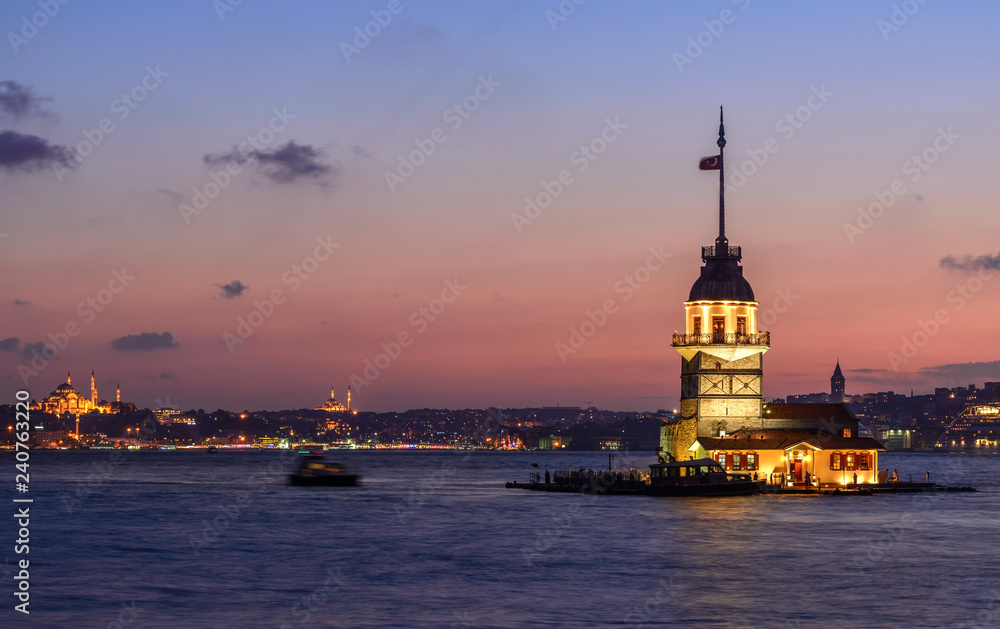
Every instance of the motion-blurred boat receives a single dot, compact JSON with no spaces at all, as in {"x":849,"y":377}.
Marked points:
{"x":315,"y":470}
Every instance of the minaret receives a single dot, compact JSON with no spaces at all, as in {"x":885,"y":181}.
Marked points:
{"x":837,"y":383}
{"x":348,"y":398}
{"x":332,"y":396}
{"x":118,"y":392}
{"x":69,"y":378}
{"x":721,"y":350}
{"x":93,"y":389}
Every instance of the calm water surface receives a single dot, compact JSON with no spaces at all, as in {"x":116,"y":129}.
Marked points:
{"x":433,"y":539}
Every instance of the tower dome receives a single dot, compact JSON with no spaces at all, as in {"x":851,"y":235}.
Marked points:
{"x":721,"y":278}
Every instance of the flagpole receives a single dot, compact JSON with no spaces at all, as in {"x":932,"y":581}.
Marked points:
{"x":722,"y":186}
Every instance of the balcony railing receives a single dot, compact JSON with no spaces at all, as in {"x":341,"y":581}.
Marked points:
{"x":731,"y":252}
{"x":732,"y":338}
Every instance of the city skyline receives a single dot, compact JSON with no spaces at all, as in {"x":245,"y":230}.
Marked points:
{"x":252,"y":224}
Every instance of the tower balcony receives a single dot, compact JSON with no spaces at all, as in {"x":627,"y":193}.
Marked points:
{"x":727,"y":346}
{"x":720,"y":338}
{"x":721,"y":251}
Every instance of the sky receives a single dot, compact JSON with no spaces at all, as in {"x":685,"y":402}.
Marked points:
{"x":240,"y":205}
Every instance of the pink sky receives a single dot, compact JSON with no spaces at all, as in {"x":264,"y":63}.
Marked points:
{"x":855,"y":297}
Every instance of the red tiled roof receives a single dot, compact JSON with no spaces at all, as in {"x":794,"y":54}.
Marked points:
{"x":837,"y":413}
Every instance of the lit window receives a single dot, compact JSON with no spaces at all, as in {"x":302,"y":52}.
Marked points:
{"x":736,"y":460}
{"x":697,"y":325}
{"x":864,"y":461}
{"x":718,"y":329}
{"x":847,"y":433}
{"x":851,"y":457}
{"x":741,"y":325}
{"x":722,"y":460}
{"x":835,"y":461}
{"x":751,"y":461}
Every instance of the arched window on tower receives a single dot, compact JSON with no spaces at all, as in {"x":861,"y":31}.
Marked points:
{"x":718,"y":366}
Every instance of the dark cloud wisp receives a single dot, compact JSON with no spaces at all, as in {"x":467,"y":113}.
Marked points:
{"x":19,"y":101}
{"x":20,"y":151}
{"x":146,"y":342}
{"x":287,"y":163}
{"x":966,"y":371}
{"x":10,"y":344}
{"x":31,"y":350}
{"x":233,"y":289}
{"x":969,"y":263}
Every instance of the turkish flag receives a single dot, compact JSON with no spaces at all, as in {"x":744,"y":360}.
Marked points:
{"x":710,"y":163}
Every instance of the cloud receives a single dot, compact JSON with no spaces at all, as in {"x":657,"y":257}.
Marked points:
{"x":10,"y":344}
{"x":166,"y":376}
{"x":29,"y":351}
{"x":286,"y":164}
{"x":147,"y":342}
{"x":20,"y":151}
{"x":966,"y":371}
{"x":19,"y":302}
{"x":233,"y":289}
{"x":19,"y":101}
{"x":177,"y":197}
{"x":968,"y":263}
{"x":360,"y":151}
{"x":866,"y":370}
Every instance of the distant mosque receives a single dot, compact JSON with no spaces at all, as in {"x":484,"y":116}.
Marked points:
{"x":67,"y":400}
{"x":333,"y":406}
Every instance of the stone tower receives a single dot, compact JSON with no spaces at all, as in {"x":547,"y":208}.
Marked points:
{"x":721,"y":350}
{"x":837,"y":384}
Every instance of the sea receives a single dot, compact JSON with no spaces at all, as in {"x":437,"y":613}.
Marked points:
{"x":433,"y":539}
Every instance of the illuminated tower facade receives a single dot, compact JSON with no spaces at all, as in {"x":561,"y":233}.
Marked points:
{"x":837,"y":383}
{"x":118,"y":392}
{"x":93,"y":389}
{"x":722,"y":353}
